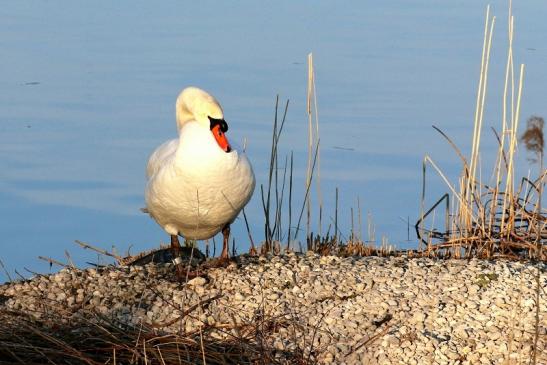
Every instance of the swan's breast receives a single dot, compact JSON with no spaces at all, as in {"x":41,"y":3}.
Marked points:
{"x":195,"y":183}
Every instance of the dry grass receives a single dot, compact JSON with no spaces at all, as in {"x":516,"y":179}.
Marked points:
{"x":54,"y":335}
{"x":94,"y":339}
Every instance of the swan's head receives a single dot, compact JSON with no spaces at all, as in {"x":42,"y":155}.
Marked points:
{"x":194,"y":104}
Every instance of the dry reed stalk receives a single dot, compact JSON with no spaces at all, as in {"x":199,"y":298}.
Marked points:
{"x":466,"y":208}
{"x":481,"y":89}
{"x":469,"y":194}
{"x":290,"y":203}
{"x":98,"y":250}
{"x":313,"y":139}
{"x":509,"y":70}
{"x":509,"y":75}
{"x":509,"y":181}
{"x":352,"y":233}
{"x":359,"y":217}
{"x":307,"y":190}
{"x":430,"y":240}
{"x":335,"y":217}
{"x":318,"y":179}
{"x":371,"y":229}
{"x":310,"y":140}
{"x":52,"y":261}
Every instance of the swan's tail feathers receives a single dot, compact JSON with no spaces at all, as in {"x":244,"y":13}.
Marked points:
{"x":144,"y":210}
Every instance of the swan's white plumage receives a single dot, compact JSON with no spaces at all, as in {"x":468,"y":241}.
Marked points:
{"x":160,"y":155}
{"x":195,"y":188}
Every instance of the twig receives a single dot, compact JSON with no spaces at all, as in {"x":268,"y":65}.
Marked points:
{"x":52,"y":261}
{"x":186,"y":312}
{"x":99,"y":250}
{"x":69,"y":259}
{"x":5,"y":271}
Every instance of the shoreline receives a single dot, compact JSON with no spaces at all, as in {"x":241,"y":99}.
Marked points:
{"x":369,"y":310}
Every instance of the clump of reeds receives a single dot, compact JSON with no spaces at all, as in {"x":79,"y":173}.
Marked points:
{"x":498,"y":219}
{"x":274,"y":194}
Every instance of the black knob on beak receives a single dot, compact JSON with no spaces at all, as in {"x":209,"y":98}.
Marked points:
{"x":221,"y":122}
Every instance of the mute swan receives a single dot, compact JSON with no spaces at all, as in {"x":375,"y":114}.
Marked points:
{"x":198,"y":183}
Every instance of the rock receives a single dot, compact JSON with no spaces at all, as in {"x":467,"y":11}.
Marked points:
{"x":197,"y":281}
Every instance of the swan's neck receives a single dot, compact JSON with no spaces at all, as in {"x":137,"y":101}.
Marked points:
{"x":197,"y":144}
{"x":183,"y":116}
{"x":196,"y":104}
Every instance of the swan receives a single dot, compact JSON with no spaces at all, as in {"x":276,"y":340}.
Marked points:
{"x":198,"y":183}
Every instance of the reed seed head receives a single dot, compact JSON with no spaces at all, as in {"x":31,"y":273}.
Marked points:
{"x":533,"y":136}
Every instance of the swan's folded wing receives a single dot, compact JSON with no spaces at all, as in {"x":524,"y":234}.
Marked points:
{"x":159,"y":156}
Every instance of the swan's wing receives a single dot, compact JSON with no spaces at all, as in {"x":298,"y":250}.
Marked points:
{"x":159,"y":156}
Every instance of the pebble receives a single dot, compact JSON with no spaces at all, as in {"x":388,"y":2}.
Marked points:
{"x":406,"y":311}
{"x":198,"y":281}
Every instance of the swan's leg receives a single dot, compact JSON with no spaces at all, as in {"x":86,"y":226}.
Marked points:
{"x":175,"y":250}
{"x":175,"y":246}
{"x":226,"y":236}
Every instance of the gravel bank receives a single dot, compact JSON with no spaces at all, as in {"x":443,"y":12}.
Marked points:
{"x":345,"y":310}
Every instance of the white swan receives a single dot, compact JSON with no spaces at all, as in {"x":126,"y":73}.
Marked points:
{"x":197,"y":184}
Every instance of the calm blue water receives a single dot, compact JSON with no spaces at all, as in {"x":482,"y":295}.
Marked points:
{"x":87,"y":91}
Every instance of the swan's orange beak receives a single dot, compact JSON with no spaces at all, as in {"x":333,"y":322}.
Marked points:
{"x":218,"y":128}
{"x":221,"y":139}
